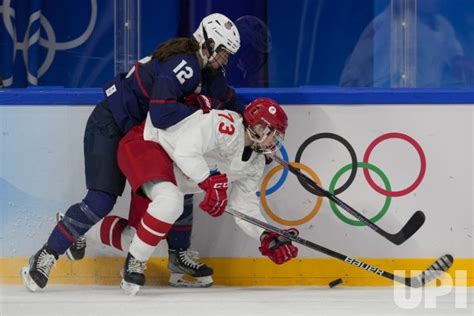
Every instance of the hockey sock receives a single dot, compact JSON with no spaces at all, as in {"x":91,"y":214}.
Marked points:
{"x":162,"y":212}
{"x":115,"y":232}
{"x":79,"y":218}
{"x":179,"y":236}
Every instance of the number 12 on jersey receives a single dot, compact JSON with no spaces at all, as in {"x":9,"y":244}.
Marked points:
{"x":183,"y":72}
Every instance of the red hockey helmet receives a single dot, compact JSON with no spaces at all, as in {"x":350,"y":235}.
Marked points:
{"x":268,"y":112}
{"x":270,"y":115}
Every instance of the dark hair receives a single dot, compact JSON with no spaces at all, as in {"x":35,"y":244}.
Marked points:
{"x":172,"y":47}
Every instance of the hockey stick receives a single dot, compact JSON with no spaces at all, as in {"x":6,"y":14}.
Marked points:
{"x":434,"y":271}
{"x":411,"y":227}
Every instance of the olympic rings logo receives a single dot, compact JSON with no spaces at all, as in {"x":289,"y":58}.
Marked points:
{"x":352,"y":167}
{"x":50,"y":43}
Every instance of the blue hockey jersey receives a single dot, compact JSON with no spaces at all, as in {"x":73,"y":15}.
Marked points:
{"x":160,"y":88}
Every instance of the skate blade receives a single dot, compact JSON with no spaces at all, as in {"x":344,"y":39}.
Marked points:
{"x":177,"y":280}
{"x":129,"y":288}
{"x":27,"y":280}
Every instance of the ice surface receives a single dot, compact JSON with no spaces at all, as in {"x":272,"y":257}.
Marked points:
{"x":218,"y":300}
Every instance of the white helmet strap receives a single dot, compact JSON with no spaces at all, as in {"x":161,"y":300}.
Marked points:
{"x":205,"y":59}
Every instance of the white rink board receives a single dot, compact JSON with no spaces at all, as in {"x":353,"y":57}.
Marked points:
{"x":41,"y":172}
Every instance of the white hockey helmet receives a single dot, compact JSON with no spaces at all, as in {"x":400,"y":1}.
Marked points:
{"x":218,"y":29}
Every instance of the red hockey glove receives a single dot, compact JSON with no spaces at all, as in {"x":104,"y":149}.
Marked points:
{"x":215,"y":200}
{"x":277,"y":247}
{"x":205,"y":103}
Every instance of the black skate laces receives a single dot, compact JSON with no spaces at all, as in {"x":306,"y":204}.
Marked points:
{"x":45,"y":262}
{"x":189,"y":257}
{"x":136,"y":266}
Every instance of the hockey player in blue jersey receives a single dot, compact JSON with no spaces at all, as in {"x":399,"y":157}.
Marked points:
{"x":182,"y":76}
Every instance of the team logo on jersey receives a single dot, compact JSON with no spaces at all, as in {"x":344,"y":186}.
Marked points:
{"x":110,"y":90}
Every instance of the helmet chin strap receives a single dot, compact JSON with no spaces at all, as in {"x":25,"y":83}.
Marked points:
{"x":207,"y":44}
{"x":211,"y":51}
{"x":205,"y":59}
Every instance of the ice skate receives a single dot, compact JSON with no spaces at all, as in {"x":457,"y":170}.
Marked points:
{"x":133,"y":275}
{"x":183,"y":263}
{"x":35,"y":274}
{"x":77,"y":250}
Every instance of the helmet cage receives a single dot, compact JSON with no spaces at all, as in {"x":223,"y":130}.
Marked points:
{"x":259,"y":139}
{"x":214,"y":51}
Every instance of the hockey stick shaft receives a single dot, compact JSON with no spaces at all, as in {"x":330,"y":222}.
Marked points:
{"x":395,"y":238}
{"x":328,"y":194}
{"x":441,"y":265}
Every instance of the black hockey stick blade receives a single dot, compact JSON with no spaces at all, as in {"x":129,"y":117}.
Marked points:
{"x":414,"y":223}
{"x":433,"y":272}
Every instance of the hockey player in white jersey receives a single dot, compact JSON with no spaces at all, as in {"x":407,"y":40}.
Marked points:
{"x":163,"y":165}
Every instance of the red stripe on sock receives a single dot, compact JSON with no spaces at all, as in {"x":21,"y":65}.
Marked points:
{"x":117,"y":233}
{"x":147,"y":237}
{"x":105,"y":228}
{"x":155,"y":225}
{"x":65,"y":233}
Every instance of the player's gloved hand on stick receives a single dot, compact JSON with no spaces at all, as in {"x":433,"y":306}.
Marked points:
{"x":205,"y":103}
{"x":215,"y":199}
{"x":278,"y":248}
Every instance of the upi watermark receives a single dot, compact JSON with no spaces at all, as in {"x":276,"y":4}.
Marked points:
{"x":409,"y":298}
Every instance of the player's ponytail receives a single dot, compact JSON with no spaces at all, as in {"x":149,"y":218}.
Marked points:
{"x":180,"y":45}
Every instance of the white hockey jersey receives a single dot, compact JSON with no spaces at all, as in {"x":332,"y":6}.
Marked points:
{"x":203,"y":142}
